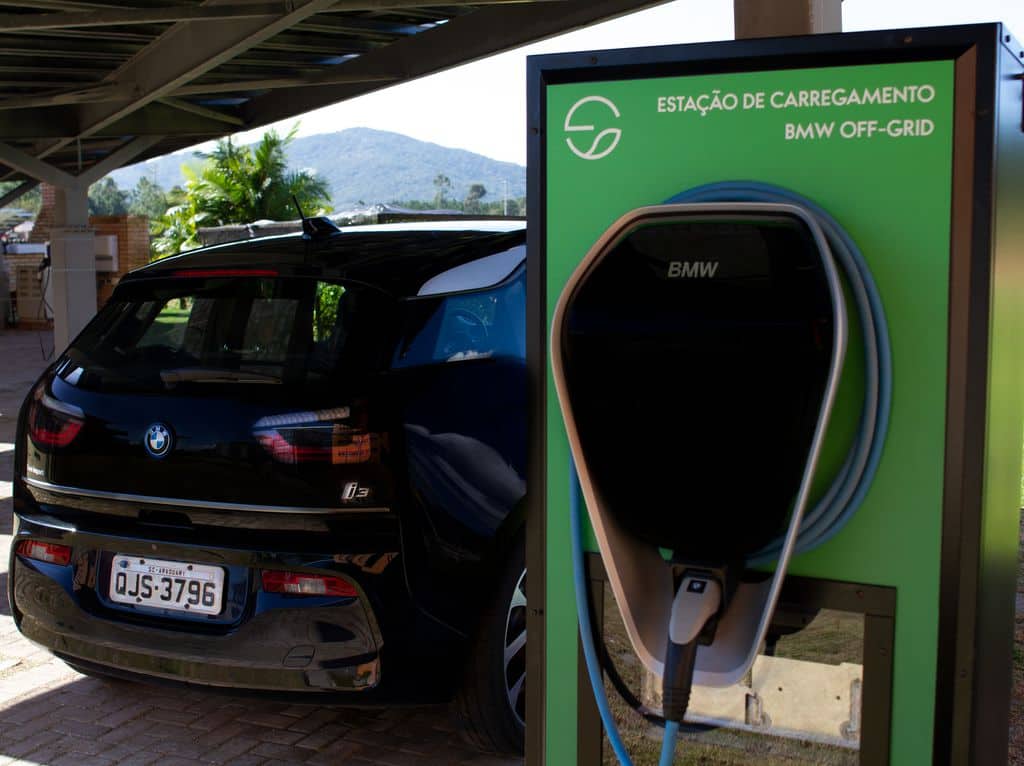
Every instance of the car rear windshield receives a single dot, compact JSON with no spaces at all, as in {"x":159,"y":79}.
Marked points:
{"x":248,"y":331}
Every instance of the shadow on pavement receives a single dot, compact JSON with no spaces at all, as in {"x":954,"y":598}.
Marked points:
{"x":114,"y":722}
{"x":5,"y":607}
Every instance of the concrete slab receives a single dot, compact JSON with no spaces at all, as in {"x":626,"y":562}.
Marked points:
{"x":50,"y":715}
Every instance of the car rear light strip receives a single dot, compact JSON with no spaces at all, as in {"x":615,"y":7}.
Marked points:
{"x":51,"y":553}
{"x":302,"y":584}
{"x":315,"y":437}
{"x":52,"y":423}
{"x":221,"y":273}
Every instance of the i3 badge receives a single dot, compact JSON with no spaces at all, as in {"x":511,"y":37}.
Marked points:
{"x":158,"y":440}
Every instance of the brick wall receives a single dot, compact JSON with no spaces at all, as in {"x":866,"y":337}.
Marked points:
{"x":44,"y":221}
{"x":132,"y":232}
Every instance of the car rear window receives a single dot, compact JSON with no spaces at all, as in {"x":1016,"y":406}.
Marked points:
{"x":488,"y":323}
{"x":245,"y":331}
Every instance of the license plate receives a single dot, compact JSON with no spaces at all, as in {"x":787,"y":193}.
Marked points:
{"x":176,"y":585}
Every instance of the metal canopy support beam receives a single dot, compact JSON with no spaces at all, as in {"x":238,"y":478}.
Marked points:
{"x":73,"y":265}
{"x":32,"y":166}
{"x":35,"y":167}
{"x":110,"y":16}
{"x":21,"y":189}
{"x":182,"y":53}
{"x":23,"y":22}
{"x":340,"y":77}
{"x":202,"y":111}
{"x":784,"y":18}
{"x":467,"y":38}
{"x":120,"y":156}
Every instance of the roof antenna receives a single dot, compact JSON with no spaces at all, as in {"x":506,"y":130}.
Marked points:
{"x":318,"y":227}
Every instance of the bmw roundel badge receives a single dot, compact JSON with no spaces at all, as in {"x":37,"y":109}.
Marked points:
{"x":158,"y":440}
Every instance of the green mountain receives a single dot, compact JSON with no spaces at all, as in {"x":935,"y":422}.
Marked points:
{"x":367,"y":165}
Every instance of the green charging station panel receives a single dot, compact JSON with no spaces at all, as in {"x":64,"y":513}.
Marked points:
{"x":913,"y":140}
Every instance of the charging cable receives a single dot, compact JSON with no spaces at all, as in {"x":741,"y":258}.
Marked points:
{"x":587,"y":631}
{"x":819,"y":524}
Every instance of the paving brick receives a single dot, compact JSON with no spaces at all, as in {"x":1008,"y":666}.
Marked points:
{"x":79,"y":744}
{"x":124,"y":715}
{"x":280,"y":736}
{"x":119,"y":753}
{"x":398,"y":758}
{"x":277,"y":752}
{"x":323,"y":736}
{"x":183,"y":717}
{"x":340,"y":751}
{"x":250,"y":760}
{"x":216,"y":737}
{"x":482,"y":759}
{"x":77,"y":729}
{"x":138,"y":759}
{"x":129,"y":732}
{"x":230,"y":750}
{"x":216,"y":718}
{"x":264,"y":718}
{"x":27,"y":746}
{"x":78,"y":759}
{"x":314,"y":719}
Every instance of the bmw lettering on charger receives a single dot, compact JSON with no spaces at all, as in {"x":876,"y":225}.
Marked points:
{"x":292,"y":465}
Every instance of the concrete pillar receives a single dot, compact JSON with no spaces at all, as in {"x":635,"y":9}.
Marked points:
{"x":783,"y":18}
{"x":73,"y":266}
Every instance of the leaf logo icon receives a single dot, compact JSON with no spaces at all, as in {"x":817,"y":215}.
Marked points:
{"x":592,"y":153}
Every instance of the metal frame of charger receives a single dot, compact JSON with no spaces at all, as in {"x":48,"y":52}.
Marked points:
{"x":976,"y":613}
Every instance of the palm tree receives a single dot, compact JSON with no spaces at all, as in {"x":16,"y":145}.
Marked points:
{"x":241,"y":184}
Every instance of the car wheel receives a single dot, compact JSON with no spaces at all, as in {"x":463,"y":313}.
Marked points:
{"x":492,"y":701}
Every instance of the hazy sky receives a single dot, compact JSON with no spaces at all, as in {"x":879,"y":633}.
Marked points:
{"x":482,"y":106}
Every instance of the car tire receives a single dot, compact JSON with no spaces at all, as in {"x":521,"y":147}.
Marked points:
{"x":491,"y":703}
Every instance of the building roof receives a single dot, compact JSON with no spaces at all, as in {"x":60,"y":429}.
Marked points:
{"x":86,"y":87}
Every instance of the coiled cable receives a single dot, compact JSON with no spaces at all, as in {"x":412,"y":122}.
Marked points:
{"x":854,"y":477}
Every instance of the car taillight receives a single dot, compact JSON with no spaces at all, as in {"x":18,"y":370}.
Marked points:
{"x":315,"y":437}
{"x":51,"y":553}
{"x":302,"y":584}
{"x":52,"y":423}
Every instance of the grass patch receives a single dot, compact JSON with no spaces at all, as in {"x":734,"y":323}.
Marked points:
{"x":831,"y":637}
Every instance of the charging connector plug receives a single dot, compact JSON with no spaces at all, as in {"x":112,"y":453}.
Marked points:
{"x":697,"y":601}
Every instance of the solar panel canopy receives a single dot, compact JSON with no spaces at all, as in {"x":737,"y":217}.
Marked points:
{"x":86,"y":87}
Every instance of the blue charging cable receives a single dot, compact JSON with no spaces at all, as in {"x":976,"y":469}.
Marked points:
{"x":852,"y":480}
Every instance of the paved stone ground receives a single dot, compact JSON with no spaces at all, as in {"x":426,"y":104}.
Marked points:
{"x":49,"y":714}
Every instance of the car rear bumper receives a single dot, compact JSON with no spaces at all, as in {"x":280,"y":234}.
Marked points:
{"x":275,"y":642}
{"x":273,"y":651}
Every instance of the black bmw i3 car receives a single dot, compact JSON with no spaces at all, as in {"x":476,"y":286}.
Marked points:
{"x":295,"y":465}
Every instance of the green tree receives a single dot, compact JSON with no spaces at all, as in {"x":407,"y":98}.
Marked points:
{"x":178,"y":228}
{"x":107,"y":198}
{"x":476,"y":193}
{"x":30,"y":200}
{"x":443,"y":184}
{"x":240,"y":184}
{"x":148,"y":199}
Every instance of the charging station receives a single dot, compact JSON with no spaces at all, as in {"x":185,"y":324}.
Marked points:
{"x":687,"y":171}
